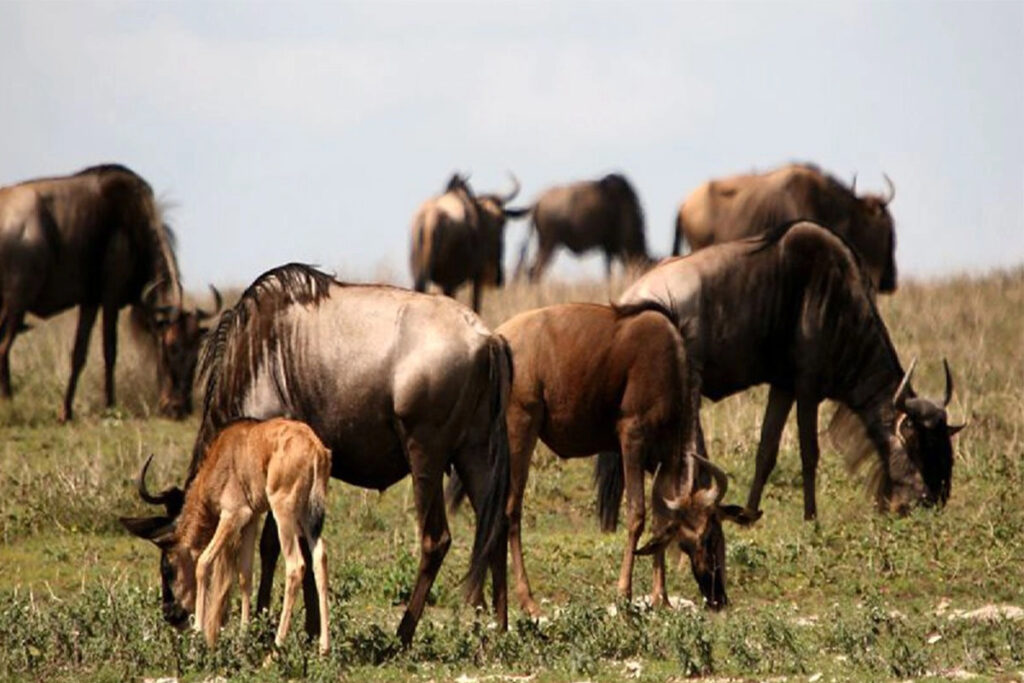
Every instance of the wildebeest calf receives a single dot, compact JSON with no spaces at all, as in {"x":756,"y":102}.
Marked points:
{"x":250,"y":467}
{"x":591,"y":378}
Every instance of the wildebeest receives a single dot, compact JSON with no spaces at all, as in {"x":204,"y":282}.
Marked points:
{"x":792,"y":308}
{"x":249,"y":468}
{"x":589,"y":378}
{"x":94,"y":240}
{"x":393,"y":382}
{"x":459,"y":237}
{"x":747,"y":205}
{"x":599,"y":214}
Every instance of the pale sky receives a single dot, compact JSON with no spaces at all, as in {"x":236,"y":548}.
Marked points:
{"x":312,"y":131}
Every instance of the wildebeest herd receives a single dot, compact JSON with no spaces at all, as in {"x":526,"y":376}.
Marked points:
{"x":306,"y":375}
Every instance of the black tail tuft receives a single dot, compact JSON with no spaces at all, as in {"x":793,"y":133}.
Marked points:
{"x":455,"y":492}
{"x":491,"y":521}
{"x":609,"y":480}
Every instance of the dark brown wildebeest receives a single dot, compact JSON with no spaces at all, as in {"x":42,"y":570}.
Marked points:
{"x":250,"y":467}
{"x":94,"y":240}
{"x":459,"y":237}
{"x":793,"y":309}
{"x":747,"y":205}
{"x":393,"y":382}
{"x":589,"y":378}
{"x":595,"y":214}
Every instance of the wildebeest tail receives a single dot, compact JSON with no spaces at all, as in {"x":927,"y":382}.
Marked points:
{"x":609,"y":480}
{"x":491,"y":521}
{"x":318,"y":495}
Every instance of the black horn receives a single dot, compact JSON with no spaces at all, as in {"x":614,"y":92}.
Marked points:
{"x":218,"y":304}
{"x":719,"y":475}
{"x":514,"y":192}
{"x":899,"y":399}
{"x":171,"y":498}
{"x":853,"y":184}
{"x":949,"y":384}
{"x":892,"y":189}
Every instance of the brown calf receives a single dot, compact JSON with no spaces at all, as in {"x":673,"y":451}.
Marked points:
{"x":250,"y":467}
{"x":591,"y":378}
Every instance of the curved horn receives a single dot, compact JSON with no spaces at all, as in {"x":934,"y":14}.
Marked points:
{"x":900,"y":397}
{"x":514,"y":192}
{"x":949,"y":384}
{"x":218,"y":304}
{"x":719,"y":475}
{"x":147,"y":293}
{"x":143,"y":491}
{"x":853,"y":184}
{"x":892,"y":189}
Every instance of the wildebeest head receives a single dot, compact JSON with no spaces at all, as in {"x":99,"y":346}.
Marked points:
{"x":493,"y":215}
{"x":695,"y":523}
{"x":178,"y":334}
{"x":873,"y":234}
{"x":632,"y":240}
{"x":921,"y":465}
{"x":177,"y":564}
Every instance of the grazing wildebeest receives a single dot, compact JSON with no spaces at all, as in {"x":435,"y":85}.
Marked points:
{"x":249,"y":468}
{"x":599,"y":214}
{"x":747,"y":205}
{"x":459,"y":237}
{"x":793,"y":308}
{"x":589,"y":378}
{"x":393,"y":382}
{"x":94,"y":240}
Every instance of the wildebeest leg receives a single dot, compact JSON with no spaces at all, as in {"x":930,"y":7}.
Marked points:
{"x":807,"y":423}
{"x":659,"y":594}
{"x":449,"y":291}
{"x":779,"y":403}
{"x":434,"y":535}
{"x":478,"y":287}
{"x":10,"y":323}
{"x":208,"y":616}
{"x":295,"y":569}
{"x":310,"y":594}
{"x":109,"y":349}
{"x":86,"y":319}
{"x":544,"y":253}
{"x":246,"y":551}
{"x":522,"y":438}
{"x":633,"y":470}
{"x":608,"y":256}
{"x":270,"y":549}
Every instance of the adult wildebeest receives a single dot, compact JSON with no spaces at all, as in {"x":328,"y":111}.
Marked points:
{"x":250,"y":467}
{"x":793,"y":308}
{"x":94,"y":240}
{"x":590,"y":378}
{"x":599,"y":214}
{"x":747,"y":205}
{"x":459,"y":237}
{"x":393,"y":382}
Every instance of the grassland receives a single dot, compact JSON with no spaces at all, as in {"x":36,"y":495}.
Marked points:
{"x":855,"y":596}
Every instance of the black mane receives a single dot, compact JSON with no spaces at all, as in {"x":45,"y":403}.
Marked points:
{"x":239,"y":338}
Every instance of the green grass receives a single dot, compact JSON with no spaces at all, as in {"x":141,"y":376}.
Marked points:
{"x":854,"y":596}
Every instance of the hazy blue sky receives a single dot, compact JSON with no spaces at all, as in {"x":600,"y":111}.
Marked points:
{"x":312,"y":131}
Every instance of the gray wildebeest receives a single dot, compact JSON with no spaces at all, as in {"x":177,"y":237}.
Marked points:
{"x":595,"y":214}
{"x":792,"y":308}
{"x":747,"y":205}
{"x":459,"y":237}
{"x":95,"y":240}
{"x":393,"y":382}
{"x":250,"y":467}
{"x":591,"y":378}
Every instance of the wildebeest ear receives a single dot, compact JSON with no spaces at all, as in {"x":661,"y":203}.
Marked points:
{"x":156,"y":529}
{"x":739,"y":515}
{"x":664,"y":537}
